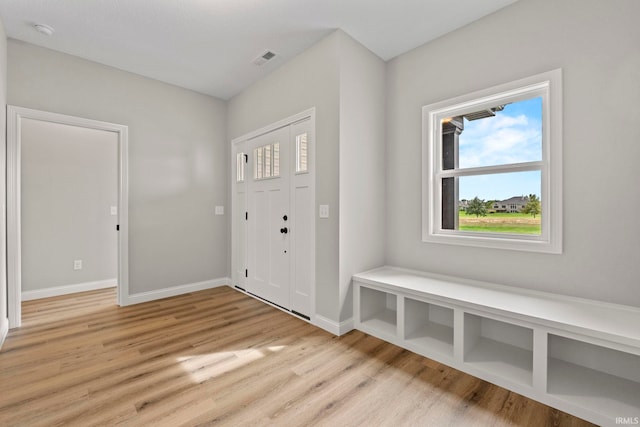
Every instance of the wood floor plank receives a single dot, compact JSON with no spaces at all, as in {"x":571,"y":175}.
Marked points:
{"x":219,"y":357}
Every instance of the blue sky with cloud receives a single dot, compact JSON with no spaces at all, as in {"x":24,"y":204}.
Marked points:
{"x":514,"y":135}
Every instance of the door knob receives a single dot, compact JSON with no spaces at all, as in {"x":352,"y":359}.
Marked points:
{"x":284,"y":230}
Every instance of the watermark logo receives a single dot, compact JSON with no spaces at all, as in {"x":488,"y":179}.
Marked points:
{"x":628,"y":421}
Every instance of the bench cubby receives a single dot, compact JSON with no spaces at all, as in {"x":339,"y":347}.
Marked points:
{"x":577,"y":355}
{"x":428,"y":327}
{"x":379,"y":311}
{"x":499,"y":347}
{"x":592,"y":376}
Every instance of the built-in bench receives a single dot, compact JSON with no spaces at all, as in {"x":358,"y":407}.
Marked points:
{"x":577,"y":355}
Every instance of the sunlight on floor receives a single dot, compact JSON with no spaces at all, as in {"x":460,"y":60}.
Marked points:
{"x":203,"y":367}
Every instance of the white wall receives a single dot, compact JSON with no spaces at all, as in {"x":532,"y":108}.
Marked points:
{"x":309,"y":80}
{"x":596,"y":45}
{"x":69,"y":182}
{"x":178,"y":158}
{"x":4,"y":320}
{"x":362,"y":168}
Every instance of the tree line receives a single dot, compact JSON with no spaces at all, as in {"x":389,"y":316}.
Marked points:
{"x":480,"y":207}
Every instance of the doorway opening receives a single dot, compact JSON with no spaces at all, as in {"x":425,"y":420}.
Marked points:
{"x":57,"y":171}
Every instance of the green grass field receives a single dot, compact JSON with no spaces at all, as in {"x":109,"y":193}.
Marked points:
{"x":516,"y":223}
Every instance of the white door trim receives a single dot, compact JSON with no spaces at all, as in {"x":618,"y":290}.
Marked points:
{"x":309,"y":114}
{"x":306,"y":114}
{"x":14,"y":257}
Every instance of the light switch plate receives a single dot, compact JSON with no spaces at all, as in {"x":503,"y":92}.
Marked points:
{"x":324,"y":211}
{"x":114,"y":210}
{"x":219,"y":210}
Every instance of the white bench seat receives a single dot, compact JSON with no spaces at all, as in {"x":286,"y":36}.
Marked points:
{"x":578,"y":355}
{"x":603,"y":320}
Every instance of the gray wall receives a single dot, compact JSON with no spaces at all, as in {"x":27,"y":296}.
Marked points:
{"x":4,"y":321}
{"x":309,"y":80}
{"x":69,"y":181}
{"x":178,"y":158}
{"x":346,"y":84}
{"x":179,"y":151}
{"x":362,"y":169}
{"x":596,"y":45}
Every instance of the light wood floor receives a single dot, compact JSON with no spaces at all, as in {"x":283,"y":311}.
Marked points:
{"x":218,"y":357}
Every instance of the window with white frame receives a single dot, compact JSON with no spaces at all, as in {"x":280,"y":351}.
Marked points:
{"x":492,"y":167}
{"x":266,"y":161}
{"x":240,"y":162}
{"x":301,"y":153}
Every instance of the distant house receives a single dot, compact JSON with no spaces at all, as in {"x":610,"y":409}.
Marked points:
{"x":512,"y":205}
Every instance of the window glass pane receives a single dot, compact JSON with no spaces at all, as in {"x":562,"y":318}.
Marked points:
{"x":240,"y":167}
{"x":301,"y":153}
{"x":500,"y":203}
{"x":505,"y":134}
{"x":267,"y":161}
{"x":276,"y":159}
{"x":259,"y":162}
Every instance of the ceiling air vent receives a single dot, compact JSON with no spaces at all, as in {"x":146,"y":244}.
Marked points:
{"x":266,"y":56}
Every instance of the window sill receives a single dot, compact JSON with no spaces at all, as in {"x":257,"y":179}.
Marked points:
{"x":509,"y":242}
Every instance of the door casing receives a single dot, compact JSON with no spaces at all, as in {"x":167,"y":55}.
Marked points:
{"x":14,"y":261}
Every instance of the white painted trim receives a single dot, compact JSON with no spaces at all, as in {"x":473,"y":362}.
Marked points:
{"x":69,"y":289}
{"x":176,"y":290}
{"x":317,"y":320}
{"x":123,"y":215}
{"x":14,"y":273}
{"x":14,"y":261}
{"x":334,"y":327}
{"x":310,"y":113}
{"x":4,"y":330}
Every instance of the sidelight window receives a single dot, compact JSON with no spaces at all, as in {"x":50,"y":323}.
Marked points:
{"x":240,"y":162}
{"x":301,"y":153}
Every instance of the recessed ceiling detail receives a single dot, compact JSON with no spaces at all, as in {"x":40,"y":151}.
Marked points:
{"x":204,"y":45}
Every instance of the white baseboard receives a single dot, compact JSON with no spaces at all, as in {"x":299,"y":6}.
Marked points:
{"x":68,"y":289}
{"x":333,"y":327}
{"x":4,"y":330}
{"x":176,"y":290}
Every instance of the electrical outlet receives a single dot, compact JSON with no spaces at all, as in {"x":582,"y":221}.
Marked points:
{"x":324,"y":211}
{"x":77,"y":264}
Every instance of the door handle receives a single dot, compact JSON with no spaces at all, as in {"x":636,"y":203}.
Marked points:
{"x":284,"y":230}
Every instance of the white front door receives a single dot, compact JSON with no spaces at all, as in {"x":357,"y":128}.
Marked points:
{"x":273,"y":224}
{"x":269,"y":217}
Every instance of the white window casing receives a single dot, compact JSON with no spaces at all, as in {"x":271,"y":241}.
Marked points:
{"x":548,"y":86}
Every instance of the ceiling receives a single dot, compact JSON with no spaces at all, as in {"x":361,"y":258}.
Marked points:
{"x":208,"y":45}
